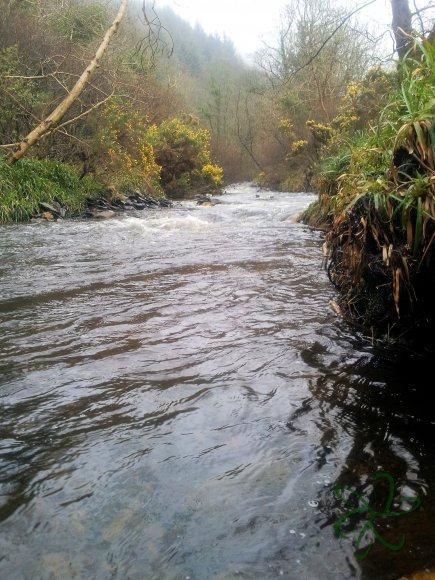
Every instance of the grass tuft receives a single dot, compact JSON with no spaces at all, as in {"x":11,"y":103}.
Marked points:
{"x":30,"y":181}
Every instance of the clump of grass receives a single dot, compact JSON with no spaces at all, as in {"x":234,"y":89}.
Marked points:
{"x":381,"y":203}
{"x":31,"y":181}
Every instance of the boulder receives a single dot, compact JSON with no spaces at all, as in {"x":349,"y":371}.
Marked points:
{"x":207,"y":201}
{"x":55,"y":209}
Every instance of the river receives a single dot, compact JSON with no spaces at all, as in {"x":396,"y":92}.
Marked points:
{"x":178,"y":401}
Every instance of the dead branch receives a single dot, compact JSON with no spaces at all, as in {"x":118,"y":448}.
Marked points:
{"x":84,"y":114}
{"x":52,"y":120}
{"x":329,"y":38}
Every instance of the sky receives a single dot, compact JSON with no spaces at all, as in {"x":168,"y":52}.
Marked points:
{"x":250,"y":23}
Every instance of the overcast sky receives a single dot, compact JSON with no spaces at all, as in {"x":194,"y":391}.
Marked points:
{"x":249,"y":22}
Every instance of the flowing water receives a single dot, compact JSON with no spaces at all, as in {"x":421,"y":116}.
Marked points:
{"x":178,"y":401}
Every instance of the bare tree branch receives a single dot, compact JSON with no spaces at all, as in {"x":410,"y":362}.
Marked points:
{"x":333,"y":33}
{"x":84,"y":114}
{"x":153,"y":40}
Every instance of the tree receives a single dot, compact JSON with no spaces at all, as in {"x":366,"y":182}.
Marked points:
{"x":317,"y":54}
{"x":402,"y":26}
{"x":50,"y":122}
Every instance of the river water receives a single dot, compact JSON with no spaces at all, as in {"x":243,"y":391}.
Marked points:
{"x":178,"y":401}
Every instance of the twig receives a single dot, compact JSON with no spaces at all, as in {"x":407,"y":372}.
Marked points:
{"x":81,"y":115}
{"x":26,"y":78}
{"x":418,"y":14}
{"x":333,"y":33}
{"x":422,"y":163}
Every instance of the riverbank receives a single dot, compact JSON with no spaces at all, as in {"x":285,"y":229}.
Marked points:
{"x":51,"y":190}
{"x":377,"y":207}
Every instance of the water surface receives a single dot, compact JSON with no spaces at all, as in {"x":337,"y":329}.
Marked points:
{"x":178,"y":401}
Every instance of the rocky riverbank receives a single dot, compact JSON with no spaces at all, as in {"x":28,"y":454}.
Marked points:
{"x":103,"y":208}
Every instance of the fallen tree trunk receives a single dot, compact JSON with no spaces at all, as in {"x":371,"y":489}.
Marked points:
{"x":50,"y":122}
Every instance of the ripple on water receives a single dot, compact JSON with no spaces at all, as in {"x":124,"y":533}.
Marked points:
{"x":178,"y":401}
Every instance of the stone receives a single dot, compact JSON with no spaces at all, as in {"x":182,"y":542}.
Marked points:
{"x":207,"y":201}
{"x":103,"y":215}
{"x":55,"y":209}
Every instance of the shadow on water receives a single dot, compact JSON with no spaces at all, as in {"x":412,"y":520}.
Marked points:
{"x":379,"y":407}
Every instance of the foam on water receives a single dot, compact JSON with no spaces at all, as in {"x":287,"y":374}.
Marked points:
{"x":177,"y":400}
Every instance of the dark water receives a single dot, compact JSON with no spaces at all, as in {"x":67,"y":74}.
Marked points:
{"x":179,"y":402}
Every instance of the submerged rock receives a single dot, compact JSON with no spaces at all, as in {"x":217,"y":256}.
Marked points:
{"x":207,"y":201}
{"x":102,"y":215}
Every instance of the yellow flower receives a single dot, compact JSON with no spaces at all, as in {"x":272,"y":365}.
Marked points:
{"x":213,"y":172}
{"x":298,"y":145}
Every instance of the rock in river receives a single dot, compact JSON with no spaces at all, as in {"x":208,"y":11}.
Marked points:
{"x":102,"y":215}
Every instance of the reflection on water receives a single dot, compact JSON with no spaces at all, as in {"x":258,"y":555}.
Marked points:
{"x":178,"y":401}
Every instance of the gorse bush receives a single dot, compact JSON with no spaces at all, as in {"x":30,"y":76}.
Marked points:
{"x":173,"y":157}
{"x":183,"y":151}
{"x":126,"y":148}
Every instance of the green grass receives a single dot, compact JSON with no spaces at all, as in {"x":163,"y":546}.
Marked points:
{"x":377,"y":188}
{"x":30,"y":181}
{"x":363,"y":165}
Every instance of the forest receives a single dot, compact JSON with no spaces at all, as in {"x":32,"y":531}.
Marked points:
{"x":172,"y":110}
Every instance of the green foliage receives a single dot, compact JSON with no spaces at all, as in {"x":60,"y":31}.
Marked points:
{"x":379,"y":189}
{"x":17,"y":96}
{"x":404,"y":136}
{"x":30,"y":181}
{"x":183,"y":152}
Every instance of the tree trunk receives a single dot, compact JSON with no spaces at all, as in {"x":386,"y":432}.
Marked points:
{"x":402,"y":26}
{"x":51,"y":121}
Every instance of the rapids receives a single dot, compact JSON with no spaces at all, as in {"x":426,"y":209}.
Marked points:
{"x":178,"y":401}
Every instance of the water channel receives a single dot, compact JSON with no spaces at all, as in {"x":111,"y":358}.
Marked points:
{"x":178,"y":401}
